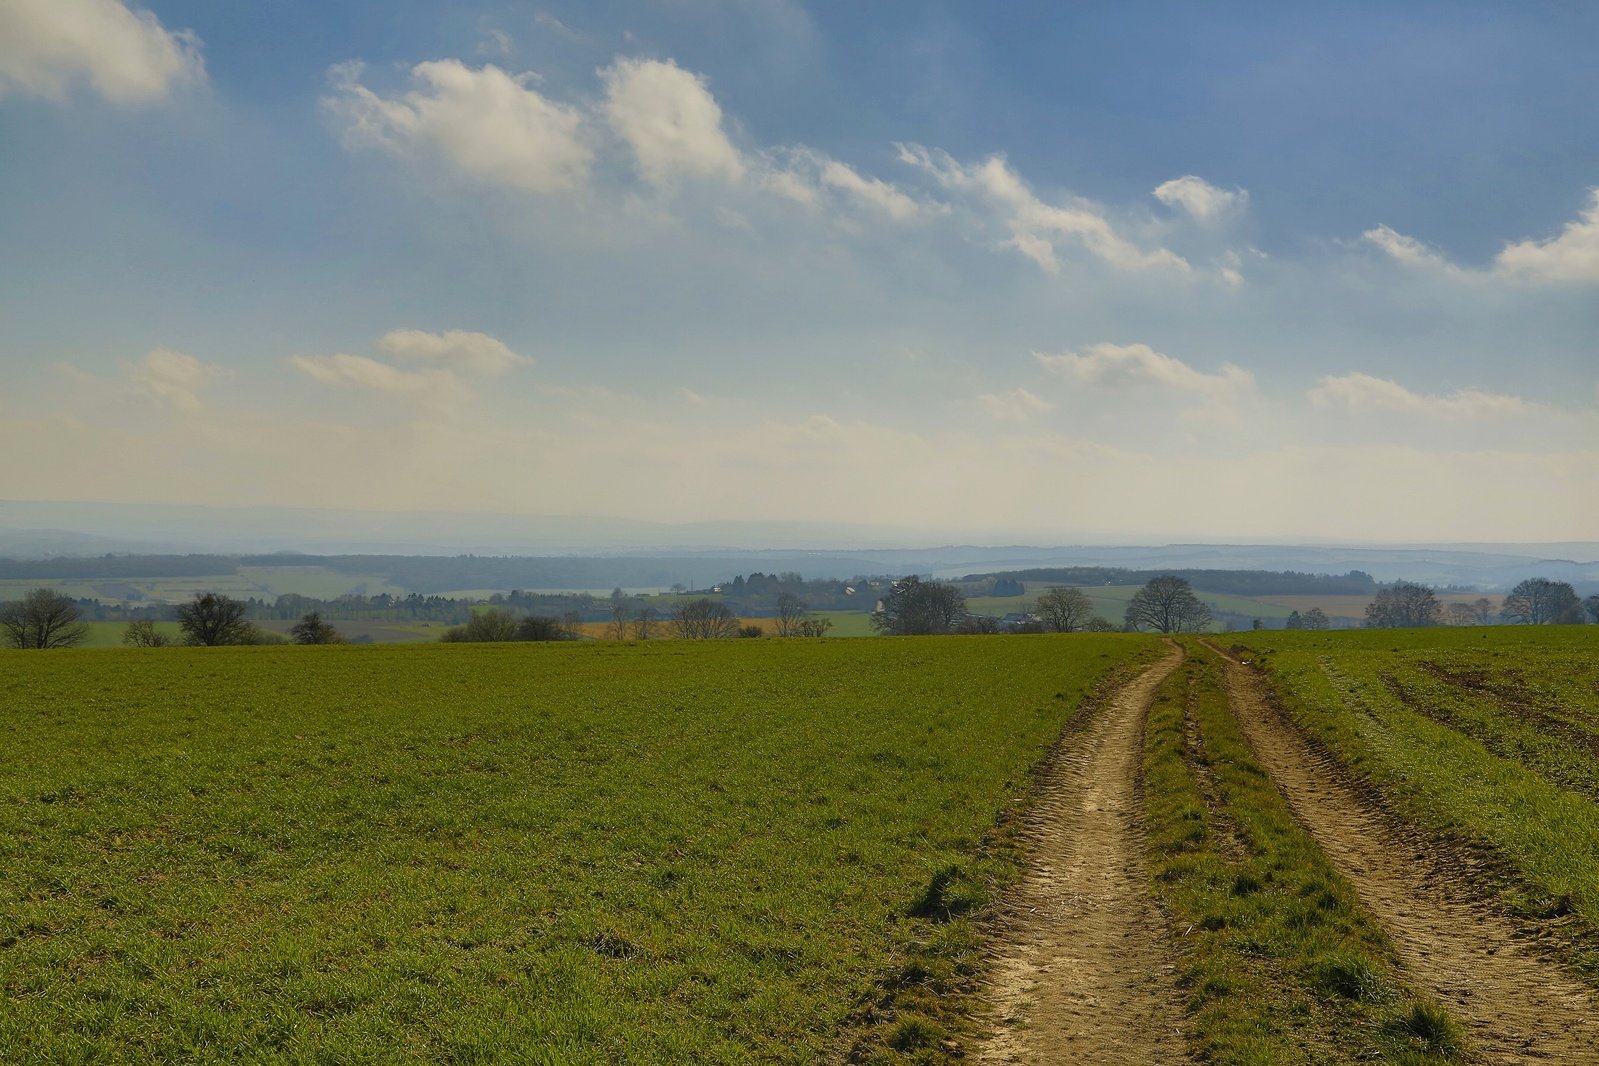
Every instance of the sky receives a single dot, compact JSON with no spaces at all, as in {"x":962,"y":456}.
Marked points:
{"x":1030,"y":272}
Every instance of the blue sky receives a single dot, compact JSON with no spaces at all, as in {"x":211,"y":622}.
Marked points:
{"x":1041,"y":271}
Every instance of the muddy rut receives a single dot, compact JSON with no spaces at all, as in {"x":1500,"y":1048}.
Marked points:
{"x":1081,"y":974}
{"x":1517,"y":1007}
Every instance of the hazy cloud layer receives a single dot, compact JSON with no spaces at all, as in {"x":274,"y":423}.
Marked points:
{"x":1362,"y":392}
{"x":125,"y":54}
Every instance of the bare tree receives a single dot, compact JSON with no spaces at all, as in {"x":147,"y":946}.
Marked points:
{"x":1403,"y":605}
{"x":1315,"y":618}
{"x":979,"y":623}
{"x":1064,"y":610}
{"x":213,"y":620}
{"x":621,"y":614}
{"x":44,"y":618}
{"x":1167,"y":604}
{"x":704,"y":619}
{"x":1460,"y":614}
{"x":914,"y":607}
{"x":143,"y":634}
{"x":644,"y":623}
{"x":791,"y":611}
{"x":487,"y":626}
{"x":311,"y":629}
{"x":1483,"y":607}
{"x":1539,"y":601}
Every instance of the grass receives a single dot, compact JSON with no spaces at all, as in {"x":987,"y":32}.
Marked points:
{"x":1459,"y":764}
{"x":666,"y":852}
{"x":1280,"y":963}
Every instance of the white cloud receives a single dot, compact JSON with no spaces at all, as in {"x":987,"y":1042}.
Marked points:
{"x":174,"y":377}
{"x":454,"y":348}
{"x":1362,"y":392}
{"x":670,"y":120}
{"x":361,"y":372}
{"x":1018,"y":405}
{"x":1572,"y":256}
{"x":1406,"y":250}
{"x":125,"y":54}
{"x":1200,"y":198}
{"x":490,"y":124}
{"x":1035,"y":225}
{"x":1123,"y":366}
{"x":872,"y":192}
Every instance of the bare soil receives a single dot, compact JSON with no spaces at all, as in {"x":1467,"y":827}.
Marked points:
{"x":1517,"y":1006}
{"x":1081,"y":973}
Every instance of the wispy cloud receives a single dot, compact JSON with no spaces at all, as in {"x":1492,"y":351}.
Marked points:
{"x":1199,"y":198}
{"x":1570,"y":256}
{"x":1138,"y":366}
{"x":1017,"y":405}
{"x":1364,"y":393}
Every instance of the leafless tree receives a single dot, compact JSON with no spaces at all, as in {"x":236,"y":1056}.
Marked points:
{"x":1064,"y":610}
{"x":1167,"y":604}
{"x":1483,"y":607}
{"x":1539,"y":601}
{"x":703,"y":619}
{"x":813,"y":627}
{"x":311,"y":629}
{"x":1460,"y":614}
{"x":644,"y":623}
{"x":143,"y":634}
{"x":44,"y":618}
{"x":1315,"y":618}
{"x":1403,"y":605}
{"x":213,"y":620}
{"x":979,"y":623}
{"x":791,"y":611}
{"x":621,"y":614}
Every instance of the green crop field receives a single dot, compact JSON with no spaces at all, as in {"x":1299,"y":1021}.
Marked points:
{"x":1485,"y":735}
{"x":662,"y":852}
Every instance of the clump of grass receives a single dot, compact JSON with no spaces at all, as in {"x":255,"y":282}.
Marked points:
{"x":949,"y":893}
{"x":1426,"y":1027}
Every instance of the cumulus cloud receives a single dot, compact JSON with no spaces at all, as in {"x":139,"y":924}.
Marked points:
{"x":1018,"y":405}
{"x":670,"y":120}
{"x":173,"y":377}
{"x":1200,"y":198}
{"x":477,"y":352}
{"x":1365,"y":393}
{"x":1034,"y":224}
{"x":1571,"y":256}
{"x":124,"y":53}
{"x":487,"y":123}
{"x":1131,"y":366}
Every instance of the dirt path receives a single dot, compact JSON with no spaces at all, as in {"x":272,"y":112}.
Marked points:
{"x":1518,"y":1008}
{"x":1081,"y":975}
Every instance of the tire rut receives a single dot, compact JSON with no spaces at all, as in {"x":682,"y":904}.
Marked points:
{"x":1081,"y":973}
{"x":1518,"y":1007}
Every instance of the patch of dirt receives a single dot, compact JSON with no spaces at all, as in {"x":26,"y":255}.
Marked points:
{"x":1080,"y":972}
{"x":1517,"y":1006}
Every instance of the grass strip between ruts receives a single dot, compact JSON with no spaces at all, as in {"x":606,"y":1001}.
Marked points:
{"x":1278,"y":961}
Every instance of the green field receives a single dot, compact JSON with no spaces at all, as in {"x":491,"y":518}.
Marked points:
{"x":1487,"y":736}
{"x":714,"y":851}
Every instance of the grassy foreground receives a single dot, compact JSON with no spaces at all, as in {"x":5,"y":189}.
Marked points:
{"x":668,"y":852}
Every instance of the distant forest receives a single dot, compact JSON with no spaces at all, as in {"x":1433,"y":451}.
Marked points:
{"x":1226,"y":582}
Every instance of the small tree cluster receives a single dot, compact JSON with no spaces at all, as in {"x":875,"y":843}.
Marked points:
{"x":914,"y":607}
{"x":311,"y":629}
{"x":213,"y":620}
{"x":497,"y":626}
{"x":1538,"y":601}
{"x":1403,"y":605}
{"x":703,"y":619}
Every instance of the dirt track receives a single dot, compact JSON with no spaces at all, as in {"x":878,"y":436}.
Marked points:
{"x":1081,"y":975}
{"x":1517,"y":1007}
